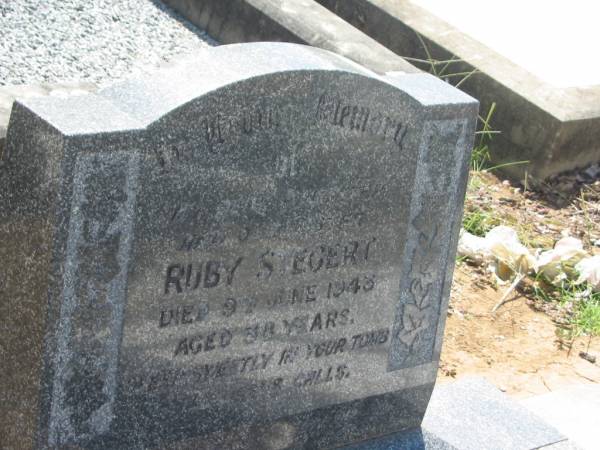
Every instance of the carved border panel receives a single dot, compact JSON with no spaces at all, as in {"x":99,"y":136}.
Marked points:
{"x":425,"y":256}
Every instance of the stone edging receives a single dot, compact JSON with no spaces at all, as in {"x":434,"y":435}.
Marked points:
{"x":297,"y":21}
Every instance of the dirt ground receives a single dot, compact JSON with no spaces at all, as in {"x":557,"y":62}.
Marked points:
{"x":517,"y":348}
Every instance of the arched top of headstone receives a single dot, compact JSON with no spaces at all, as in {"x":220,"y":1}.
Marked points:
{"x":138,"y":102}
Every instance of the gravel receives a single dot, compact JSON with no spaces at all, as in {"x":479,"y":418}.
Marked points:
{"x":97,"y":41}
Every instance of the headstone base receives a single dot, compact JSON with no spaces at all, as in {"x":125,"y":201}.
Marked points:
{"x":472,"y":414}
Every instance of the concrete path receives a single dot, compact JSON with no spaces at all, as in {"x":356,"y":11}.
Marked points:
{"x":555,"y":40}
{"x":574,"y":411}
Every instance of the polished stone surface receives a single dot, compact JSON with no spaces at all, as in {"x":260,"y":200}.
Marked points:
{"x":251,"y":249}
{"x":472,"y":414}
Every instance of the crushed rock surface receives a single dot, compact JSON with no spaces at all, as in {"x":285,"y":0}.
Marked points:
{"x":96,"y":41}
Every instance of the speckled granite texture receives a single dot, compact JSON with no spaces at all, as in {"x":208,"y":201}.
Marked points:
{"x":251,"y":249}
{"x":89,"y":41}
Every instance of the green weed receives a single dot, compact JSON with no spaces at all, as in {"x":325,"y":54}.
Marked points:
{"x":584,"y":305}
{"x":478,"y":221}
{"x":481,"y":157}
{"x":481,"y":152}
{"x":587,"y":317}
{"x":445,"y":69}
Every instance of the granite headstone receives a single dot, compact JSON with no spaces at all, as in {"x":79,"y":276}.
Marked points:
{"x":252,"y":249}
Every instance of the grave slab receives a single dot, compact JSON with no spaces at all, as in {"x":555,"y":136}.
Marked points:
{"x":250,"y":249}
{"x":547,"y":95}
{"x":472,"y":414}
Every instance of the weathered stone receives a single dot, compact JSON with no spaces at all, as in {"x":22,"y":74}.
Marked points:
{"x":252,"y":249}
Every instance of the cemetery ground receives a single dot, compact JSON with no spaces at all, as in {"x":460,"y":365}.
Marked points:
{"x":531,"y":344}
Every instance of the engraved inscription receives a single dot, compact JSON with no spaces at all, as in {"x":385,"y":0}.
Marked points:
{"x":217,"y":130}
{"x":182,"y":277}
{"x":264,"y":361}
{"x":329,"y":208}
{"x":333,"y":110}
{"x":319,"y":258}
{"x":303,"y":310}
